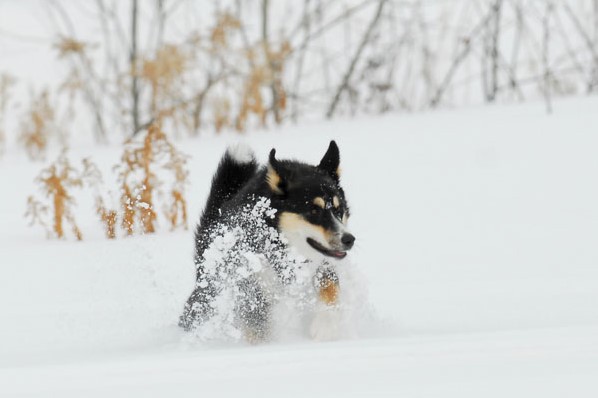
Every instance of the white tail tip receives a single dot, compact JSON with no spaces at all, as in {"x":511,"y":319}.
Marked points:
{"x":240,"y":153}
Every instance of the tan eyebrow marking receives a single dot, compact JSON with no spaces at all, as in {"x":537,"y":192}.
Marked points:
{"x":336,"y":202}
{"x":319,"y":201}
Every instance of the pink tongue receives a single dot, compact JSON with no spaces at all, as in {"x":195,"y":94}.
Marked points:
{"x":339,"y":254}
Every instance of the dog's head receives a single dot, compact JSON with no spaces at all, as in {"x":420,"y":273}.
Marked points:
{"x":312,"y":210}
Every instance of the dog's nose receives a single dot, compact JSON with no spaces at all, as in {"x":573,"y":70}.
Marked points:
{"x":348,"y":240}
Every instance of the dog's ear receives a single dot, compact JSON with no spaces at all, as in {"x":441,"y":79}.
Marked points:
{"x":331,"y":161}
{"x":274,"y":176}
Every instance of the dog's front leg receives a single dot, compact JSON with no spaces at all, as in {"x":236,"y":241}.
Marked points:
{"x":325,"y":324}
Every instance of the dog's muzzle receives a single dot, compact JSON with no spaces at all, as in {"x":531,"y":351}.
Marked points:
{"x":346,"y":243}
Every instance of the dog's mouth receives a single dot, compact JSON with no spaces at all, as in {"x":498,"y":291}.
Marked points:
{"x":327,"y":252}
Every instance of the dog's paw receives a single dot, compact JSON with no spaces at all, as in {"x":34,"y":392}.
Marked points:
{"x":325,"y":325}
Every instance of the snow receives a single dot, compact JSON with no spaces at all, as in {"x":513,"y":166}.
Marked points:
{"x":541,"y":363}
{"x":240,"y":152}
{"x":476,"y":245}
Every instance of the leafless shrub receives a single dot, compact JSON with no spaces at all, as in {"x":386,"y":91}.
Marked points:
{"x":56,"y":182}
{"x":248,"y":66}
{"x":162,"y":73}
{"x":82,"y":78}
{"x":37,"y":126}
{"x":139,"y":182}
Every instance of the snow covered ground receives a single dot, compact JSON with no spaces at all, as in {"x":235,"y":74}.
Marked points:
{"x":477,"y":237}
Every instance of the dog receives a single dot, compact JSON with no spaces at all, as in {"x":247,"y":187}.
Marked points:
{"x":307,"y":210}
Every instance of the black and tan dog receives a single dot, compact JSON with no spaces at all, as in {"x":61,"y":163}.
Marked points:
{"x":311,"y":215}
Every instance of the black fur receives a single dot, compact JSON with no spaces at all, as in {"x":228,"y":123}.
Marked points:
{"x":230,"y":177}
{"x":236,"y":185}
{"x":330,"y":161}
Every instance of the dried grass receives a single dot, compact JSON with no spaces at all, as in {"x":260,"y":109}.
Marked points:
{"x":139,"y":182}
{"x":172,"y":85}
{"x":109,"y":218}
{"x":267,"y":73}
{"x":277,"y":60}
{"x":37,"y":126}
{"x":222,"y":114}
{"x":225,"y":24}
{"x":56,"y":182}
{"x":163,"y":72}
{"x":177,"y":213}
{"x":68,"y":46}
{"x":252,"y":101}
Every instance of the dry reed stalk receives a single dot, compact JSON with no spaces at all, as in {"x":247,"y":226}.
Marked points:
{"x":127,"y":202}
{"x":225,"y":23}
{"x":177,"y":214}
{"x":108,"y":218}
{"x":36,"y":127}
{"x":163,"y":72}
{"x":68,"y":46}
{"x":266,"y":74}
{"x":221,"y":109}
{"x":56,"y":181}
{"x":252,"y":101}
{"x":139,"y":182}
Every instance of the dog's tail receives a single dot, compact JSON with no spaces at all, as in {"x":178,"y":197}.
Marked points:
{"x":236,"y":167}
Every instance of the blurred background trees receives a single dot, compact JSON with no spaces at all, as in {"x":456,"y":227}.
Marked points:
{"x":198,"y":67}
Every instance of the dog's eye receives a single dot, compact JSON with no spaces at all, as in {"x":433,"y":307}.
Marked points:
{"x":316,"y":210}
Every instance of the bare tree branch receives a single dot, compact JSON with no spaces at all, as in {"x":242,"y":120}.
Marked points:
{"x":133,"y":65}
{"x":347,"y":77}
{"x":458,"y":59}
